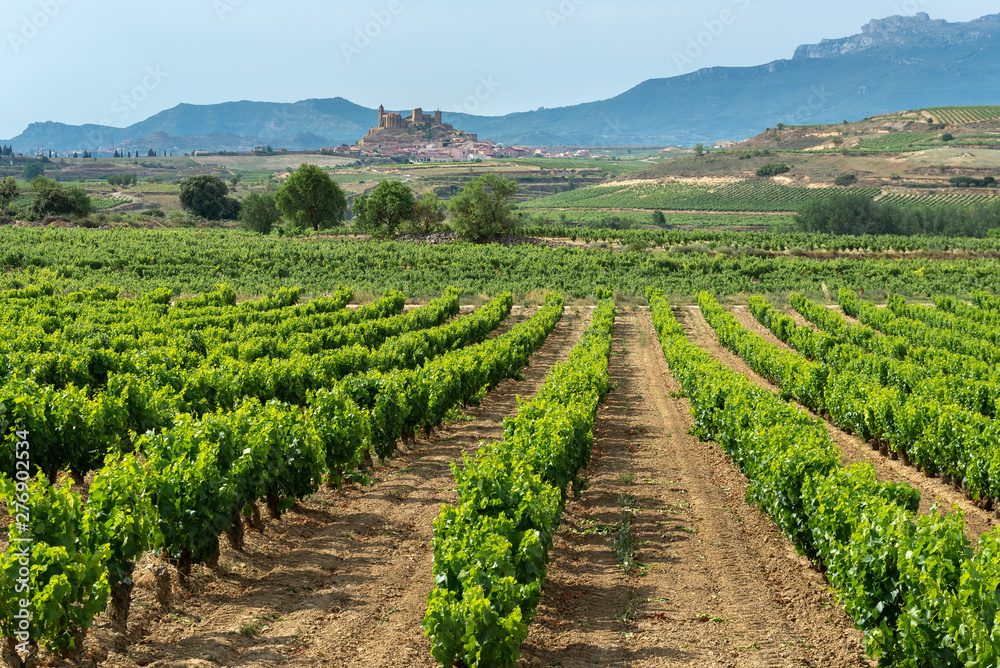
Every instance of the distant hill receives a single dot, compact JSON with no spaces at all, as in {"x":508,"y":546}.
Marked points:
{"x":232,"y":126}
{"x":894,"y":63}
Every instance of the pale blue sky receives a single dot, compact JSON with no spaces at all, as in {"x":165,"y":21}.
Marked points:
{"x":120,"y":61}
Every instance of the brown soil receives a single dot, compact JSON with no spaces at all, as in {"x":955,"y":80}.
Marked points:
{"x":718,"y":584}
{"x":934,"y":491}
{"x":343,"y":578}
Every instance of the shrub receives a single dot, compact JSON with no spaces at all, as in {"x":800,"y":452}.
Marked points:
{"x":845,"y":180}
{"x":773,"y":169}
{"x":972,"y":182}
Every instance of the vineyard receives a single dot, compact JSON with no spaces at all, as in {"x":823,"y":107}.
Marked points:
{"x":596,"y":219}
{"x":900,"y":141}
{"x":761,"y":196}
{"x":478,"y":455}
{"x":961,"y":115}
{"x":725,"y":263}
{"x":153,"y":445}
{"x":746,"y":196}
{"x":937,"y":199}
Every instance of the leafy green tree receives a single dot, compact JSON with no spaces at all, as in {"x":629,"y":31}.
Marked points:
{"x":845,"y":180}
{"x":485,"y":208}
{"x":311,"y":199}
{"x":8,"y":191}
{"x":659,"y":219}
{"x":947,"y":136}
{"x":385,"y":209}
{"x":258,"y":213}
{"x":773,"y":169}
{"x":84,"y":206}
{"x":842,"y":213}
{"x":207,"y":196}
{"x":32,"y":171}
{"x":129,"y":179}
{"x":428,"y":213}
{"x":699,"y":149}
{"x":51,"y":199}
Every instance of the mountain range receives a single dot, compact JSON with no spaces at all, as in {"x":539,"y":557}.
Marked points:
{"x":898,"y":63}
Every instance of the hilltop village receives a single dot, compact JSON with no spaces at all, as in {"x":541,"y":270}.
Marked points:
{"x":421,"y":137}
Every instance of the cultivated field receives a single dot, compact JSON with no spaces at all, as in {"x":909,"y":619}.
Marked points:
{"x":662,"y":548}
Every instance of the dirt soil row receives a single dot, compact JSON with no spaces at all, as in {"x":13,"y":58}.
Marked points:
{"x":934,"y":491}
{"x":342,"y":580}
{"x":715,"y":583}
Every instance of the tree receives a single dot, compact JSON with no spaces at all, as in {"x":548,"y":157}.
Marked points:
{"x":385,"y":209}
{"x":699,"y":149}
{"x":311,"y":199}
{"x":84,"y":206}
{"x":51,"y":199}
{"x":841,"y":213}
{"x":428,"y":213}
{"x":32,"y":171}
{"x":845,"y":180}
{"x":206,"y":196}
{"x":118,"y":180}
{"x":659,"y":219}
{"x":8,"y":191}
{"x":485,"y":208}
{"x":773,"y":169}
{"x":258,"y":213}
{"x":947,"y":136}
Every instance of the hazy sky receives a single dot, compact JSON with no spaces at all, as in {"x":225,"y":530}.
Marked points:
{"x":117,"y":62}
